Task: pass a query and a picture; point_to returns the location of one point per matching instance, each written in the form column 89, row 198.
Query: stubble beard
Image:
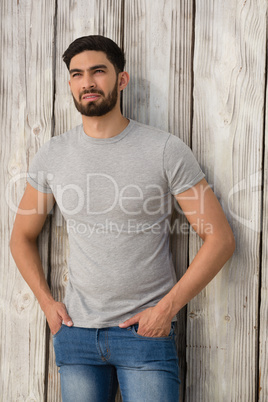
column 101, row 107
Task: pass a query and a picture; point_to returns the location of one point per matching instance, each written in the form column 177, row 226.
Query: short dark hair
column 98, row 43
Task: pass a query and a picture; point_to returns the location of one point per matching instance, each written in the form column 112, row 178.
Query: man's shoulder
column 149, row 132
column 59, row 144
column 66, row 138
column 69, row 135
column 159, row 137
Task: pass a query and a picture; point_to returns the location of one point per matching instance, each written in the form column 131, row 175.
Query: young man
column 115, row 181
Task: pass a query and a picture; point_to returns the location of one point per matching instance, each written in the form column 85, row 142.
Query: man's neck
column 106, row 126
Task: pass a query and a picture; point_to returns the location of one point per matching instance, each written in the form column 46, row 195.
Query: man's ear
column 123, row 80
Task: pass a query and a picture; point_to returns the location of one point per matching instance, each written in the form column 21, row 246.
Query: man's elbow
column 224, row 243
column 13, row 243
column 17, row 240
column 229, row 243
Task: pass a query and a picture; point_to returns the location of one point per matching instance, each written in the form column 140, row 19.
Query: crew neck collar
column 102, row 141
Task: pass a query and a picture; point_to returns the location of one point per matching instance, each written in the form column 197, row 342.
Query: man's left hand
column 151, row 323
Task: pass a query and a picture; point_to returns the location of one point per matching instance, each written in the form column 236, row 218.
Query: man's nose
column 88, row 81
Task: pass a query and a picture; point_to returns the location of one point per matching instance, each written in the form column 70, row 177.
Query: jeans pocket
column 135, row 327
column 57, row 333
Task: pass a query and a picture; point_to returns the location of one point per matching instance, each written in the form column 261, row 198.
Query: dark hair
column 99, row 43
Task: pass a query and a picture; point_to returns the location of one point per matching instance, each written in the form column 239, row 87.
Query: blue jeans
column 93, row 361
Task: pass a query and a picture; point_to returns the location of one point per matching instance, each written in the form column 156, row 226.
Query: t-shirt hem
column 187, row 186
column 37, row 186
column 82, row 324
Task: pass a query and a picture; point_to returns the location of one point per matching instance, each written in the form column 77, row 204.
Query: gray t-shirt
column 116, row 197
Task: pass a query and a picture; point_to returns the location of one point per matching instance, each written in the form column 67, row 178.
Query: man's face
column 93, row 83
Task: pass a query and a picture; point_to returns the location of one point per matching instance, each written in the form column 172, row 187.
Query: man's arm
column 206, row 216
column 30, row 218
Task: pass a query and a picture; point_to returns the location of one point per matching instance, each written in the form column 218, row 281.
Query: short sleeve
column 181, row 168
column 37, row 174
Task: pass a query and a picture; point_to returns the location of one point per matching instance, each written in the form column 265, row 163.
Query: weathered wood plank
column 263, row 330
column 229, row 66
column 180, row 123
column 26, row 110
column 74, row 19
column 147, row 44
column 158, row 42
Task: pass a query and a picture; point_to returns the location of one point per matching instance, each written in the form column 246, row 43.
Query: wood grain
column 180, row 124
column 26, row 111
column 229, row 71
column 263, row 330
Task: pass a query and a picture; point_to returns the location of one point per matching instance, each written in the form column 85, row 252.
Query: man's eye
column 76, row 74
column 99, row 71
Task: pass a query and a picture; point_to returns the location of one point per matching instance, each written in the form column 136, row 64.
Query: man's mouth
column 91, row 97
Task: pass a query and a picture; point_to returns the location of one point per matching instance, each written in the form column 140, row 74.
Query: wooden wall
column 198, row 69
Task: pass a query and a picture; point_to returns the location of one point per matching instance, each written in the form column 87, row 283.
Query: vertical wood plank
column 158, row 45
column 26, row 87
column 263, row 330
column 147, row 45
column 229, row 66
column 180, row 121
column 74, row 19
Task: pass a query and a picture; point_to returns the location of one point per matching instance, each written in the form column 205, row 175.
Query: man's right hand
column 56, row 313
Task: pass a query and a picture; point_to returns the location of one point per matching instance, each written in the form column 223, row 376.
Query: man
column 115, row 181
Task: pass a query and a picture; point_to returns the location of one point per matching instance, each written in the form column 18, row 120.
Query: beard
column 99, row 107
